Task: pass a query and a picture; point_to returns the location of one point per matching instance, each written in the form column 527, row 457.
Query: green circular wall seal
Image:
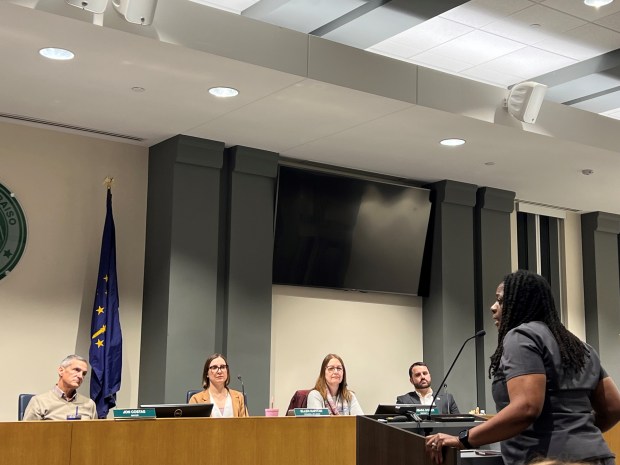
column 12, row 231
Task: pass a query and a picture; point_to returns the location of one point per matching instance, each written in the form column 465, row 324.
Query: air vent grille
column 30, row 119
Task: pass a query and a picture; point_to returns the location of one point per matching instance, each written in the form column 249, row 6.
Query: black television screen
column 349, row 233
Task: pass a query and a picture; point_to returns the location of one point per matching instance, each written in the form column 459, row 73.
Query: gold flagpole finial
column 108, row 181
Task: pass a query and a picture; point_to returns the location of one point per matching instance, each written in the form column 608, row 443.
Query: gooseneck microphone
column 245, row 399
column 480, row 333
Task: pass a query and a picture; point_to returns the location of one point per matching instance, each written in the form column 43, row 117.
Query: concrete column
column 181, row 267
column 250, row 256
column 601, row 281
column 492, row 263
column 449, row 316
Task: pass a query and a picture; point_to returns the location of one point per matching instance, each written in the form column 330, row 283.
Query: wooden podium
column 381, row 443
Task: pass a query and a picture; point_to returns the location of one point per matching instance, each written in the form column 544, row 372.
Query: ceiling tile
column 234, row 6
column 426, row 35
column 478, row 13
column 529, row 61
column 482, row 73
column 583, row 42
column 346, row 108
column 581, row 10
column 440, row 62
column 394, row 49
column 611, row 21
column 308, row 15
column 477, row 47
column 612, row 113
column 519, row 25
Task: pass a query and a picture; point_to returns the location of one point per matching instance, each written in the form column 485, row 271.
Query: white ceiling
column 312, row 99
column 499, row 42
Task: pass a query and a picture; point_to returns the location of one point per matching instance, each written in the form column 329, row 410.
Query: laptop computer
column 180, row 410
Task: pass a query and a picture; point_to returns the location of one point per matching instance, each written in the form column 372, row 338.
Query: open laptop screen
column 180, row 410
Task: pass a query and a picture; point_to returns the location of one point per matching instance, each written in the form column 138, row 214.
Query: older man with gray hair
column 63, row 402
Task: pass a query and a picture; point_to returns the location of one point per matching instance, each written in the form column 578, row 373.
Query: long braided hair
column 528, row 297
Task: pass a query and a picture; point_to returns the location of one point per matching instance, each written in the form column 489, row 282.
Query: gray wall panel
column 601, row 290
column 180, row 267
column 449, row 316
column 252, row 192
column 493, row 262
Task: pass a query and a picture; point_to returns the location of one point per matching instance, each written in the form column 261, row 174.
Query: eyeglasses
column 216, row 368
column 332, row 369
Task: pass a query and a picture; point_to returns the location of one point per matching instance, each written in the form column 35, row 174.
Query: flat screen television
column 343, row 232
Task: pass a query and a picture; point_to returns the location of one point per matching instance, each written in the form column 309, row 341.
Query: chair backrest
column 22, row 403
column 299, row 399
column 191, row 392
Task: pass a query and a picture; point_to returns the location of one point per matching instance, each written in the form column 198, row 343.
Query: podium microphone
column 480, row 333
column 245, row 399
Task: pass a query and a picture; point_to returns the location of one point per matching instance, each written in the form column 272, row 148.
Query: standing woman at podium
column 215, row 378
column 330, row 390
column 552, row 395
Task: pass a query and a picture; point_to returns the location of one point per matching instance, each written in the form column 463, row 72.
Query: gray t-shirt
column 565, row 428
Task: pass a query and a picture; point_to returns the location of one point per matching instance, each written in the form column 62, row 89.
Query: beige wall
column 377, row 335
column 46, row 302
column 574, row 276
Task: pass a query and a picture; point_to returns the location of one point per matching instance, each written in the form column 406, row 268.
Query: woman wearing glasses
column 330, row 390
column 215, row 378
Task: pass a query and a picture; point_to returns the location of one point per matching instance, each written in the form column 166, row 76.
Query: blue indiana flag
column 106, row 344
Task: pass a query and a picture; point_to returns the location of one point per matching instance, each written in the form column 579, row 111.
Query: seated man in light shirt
column 420, row 377
column 63, row 402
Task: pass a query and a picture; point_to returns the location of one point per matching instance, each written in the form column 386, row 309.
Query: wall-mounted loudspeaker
column 524, row 101
column 136, row 11
column 94, row 6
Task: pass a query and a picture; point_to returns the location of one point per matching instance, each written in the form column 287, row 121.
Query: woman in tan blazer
column 215, row 378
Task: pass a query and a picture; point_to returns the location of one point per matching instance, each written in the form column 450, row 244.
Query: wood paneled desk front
column 235, row 441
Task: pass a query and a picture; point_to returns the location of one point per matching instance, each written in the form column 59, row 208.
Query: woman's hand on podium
column 436, row 442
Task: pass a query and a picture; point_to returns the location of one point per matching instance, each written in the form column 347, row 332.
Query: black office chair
column 22, row 403
column 191, row 392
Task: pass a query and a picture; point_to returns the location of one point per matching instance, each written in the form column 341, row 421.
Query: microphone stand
column 245, row 399
column 478, row 334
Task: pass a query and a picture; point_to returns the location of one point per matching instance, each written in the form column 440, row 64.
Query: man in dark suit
column 420, row 377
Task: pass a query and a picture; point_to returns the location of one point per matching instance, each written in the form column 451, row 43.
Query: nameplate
column 311, row 412
column 133, row 413
column 425, row 411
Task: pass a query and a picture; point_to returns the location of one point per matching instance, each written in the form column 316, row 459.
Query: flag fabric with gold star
column 106, row 341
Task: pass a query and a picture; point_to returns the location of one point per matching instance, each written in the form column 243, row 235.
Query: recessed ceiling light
column 452, row 142
column 138, row 89
column 597, row 3
column 587, row 172
column 223, row 92
column 489, row 163
column 57, row 53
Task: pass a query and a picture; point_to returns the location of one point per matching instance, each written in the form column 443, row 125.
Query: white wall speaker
column 136, row 11
column 525, row 99
column 94, row 6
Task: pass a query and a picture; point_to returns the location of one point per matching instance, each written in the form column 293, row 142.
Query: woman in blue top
column 553, row 397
